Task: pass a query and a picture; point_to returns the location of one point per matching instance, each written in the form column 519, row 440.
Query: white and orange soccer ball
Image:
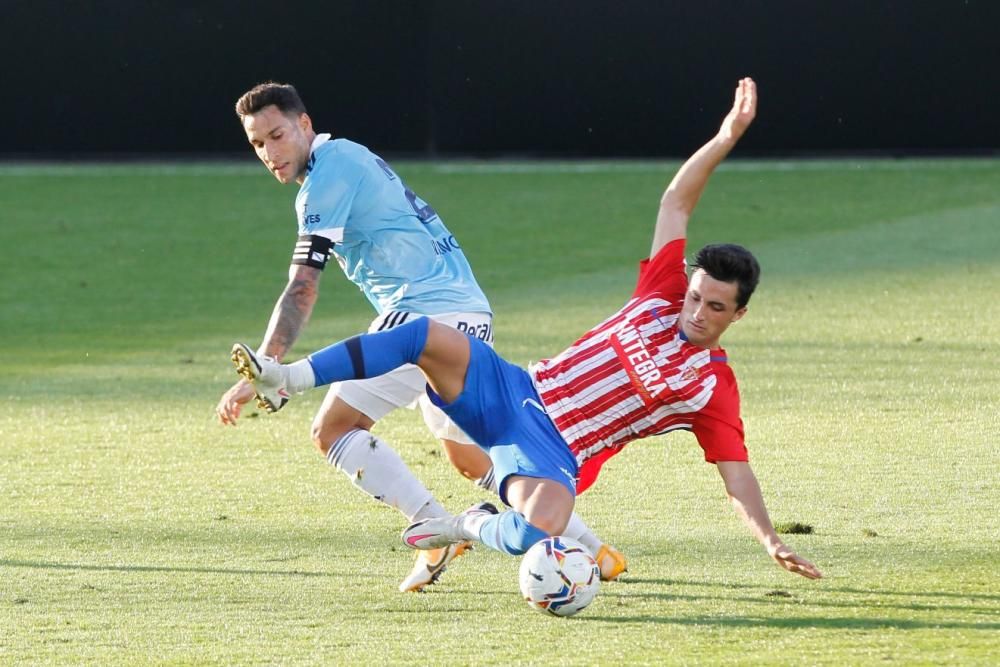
column 559, row 576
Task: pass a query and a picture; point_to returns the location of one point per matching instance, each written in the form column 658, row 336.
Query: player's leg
column 468, row 459
column 534, row 467
column 539, row 507
column 341, row 432
column 444, row 355
column 536, row 479
column 611, row 561
column 473, row 463
column 441, row 352
column 464, row 455
column 545, row 503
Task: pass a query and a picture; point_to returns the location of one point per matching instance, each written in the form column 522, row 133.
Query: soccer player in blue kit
column 353, row 208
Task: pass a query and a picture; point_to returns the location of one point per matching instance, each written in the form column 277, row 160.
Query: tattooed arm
column 290, row 315
column 292, row 311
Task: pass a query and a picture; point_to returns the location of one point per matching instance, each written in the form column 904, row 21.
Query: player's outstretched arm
column 290, row 314
column 744, row 492
column 685, row 189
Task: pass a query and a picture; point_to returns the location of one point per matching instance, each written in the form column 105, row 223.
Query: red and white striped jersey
column 636, row 375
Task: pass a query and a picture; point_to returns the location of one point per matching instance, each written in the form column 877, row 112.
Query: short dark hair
column 282, row 95
column 730, row 263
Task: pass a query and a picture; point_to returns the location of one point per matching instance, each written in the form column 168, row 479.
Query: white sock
column 376, row 469
column 579, row 531
column 300, row 376
column 431, row 510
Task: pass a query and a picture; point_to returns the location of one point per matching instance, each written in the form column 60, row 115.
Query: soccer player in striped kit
column 352, row 207
column 654, row 366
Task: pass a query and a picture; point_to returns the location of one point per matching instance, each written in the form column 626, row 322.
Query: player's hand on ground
column 792, row 562
column 232, row 402
column 743, row 112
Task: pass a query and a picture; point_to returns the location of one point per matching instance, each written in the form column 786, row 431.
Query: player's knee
column 325, row 434
column 472, row 470
column 552, row 524
column 320, row 440
column 550, row 517
column 469, row 460
column 334, row 421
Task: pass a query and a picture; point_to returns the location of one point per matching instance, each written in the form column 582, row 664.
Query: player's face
column 281, row 141
column 709, row 309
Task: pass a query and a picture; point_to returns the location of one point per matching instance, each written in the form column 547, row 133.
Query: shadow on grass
column 792, row 622
column 765, row 619
column 813, row 600
column 155, row 568
column 839, row 589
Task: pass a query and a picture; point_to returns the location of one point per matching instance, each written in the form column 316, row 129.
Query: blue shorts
column 500, row 409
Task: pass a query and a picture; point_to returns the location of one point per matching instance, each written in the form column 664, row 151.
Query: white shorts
column 405, row 386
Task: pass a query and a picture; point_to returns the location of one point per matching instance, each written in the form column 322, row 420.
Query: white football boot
column 441, row 532
column 268, row 377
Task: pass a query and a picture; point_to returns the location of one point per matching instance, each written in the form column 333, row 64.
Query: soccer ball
column 559, row 576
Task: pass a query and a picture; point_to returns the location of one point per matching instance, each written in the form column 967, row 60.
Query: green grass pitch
column 135, row 529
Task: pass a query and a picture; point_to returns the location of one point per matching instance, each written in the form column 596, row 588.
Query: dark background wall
column 583, row 78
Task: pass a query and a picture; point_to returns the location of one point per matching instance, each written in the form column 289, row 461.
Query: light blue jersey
column 389, row 242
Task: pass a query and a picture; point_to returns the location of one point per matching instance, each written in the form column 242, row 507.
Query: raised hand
column 743, row 112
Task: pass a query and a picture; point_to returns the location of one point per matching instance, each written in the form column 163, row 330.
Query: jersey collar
column 718, row 354
column 318, row 141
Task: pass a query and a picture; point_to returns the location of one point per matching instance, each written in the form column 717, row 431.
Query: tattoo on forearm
column 291, row 313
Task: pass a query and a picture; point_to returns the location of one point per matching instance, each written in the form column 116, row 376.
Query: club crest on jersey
column 637, row 362
column 690, row 374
